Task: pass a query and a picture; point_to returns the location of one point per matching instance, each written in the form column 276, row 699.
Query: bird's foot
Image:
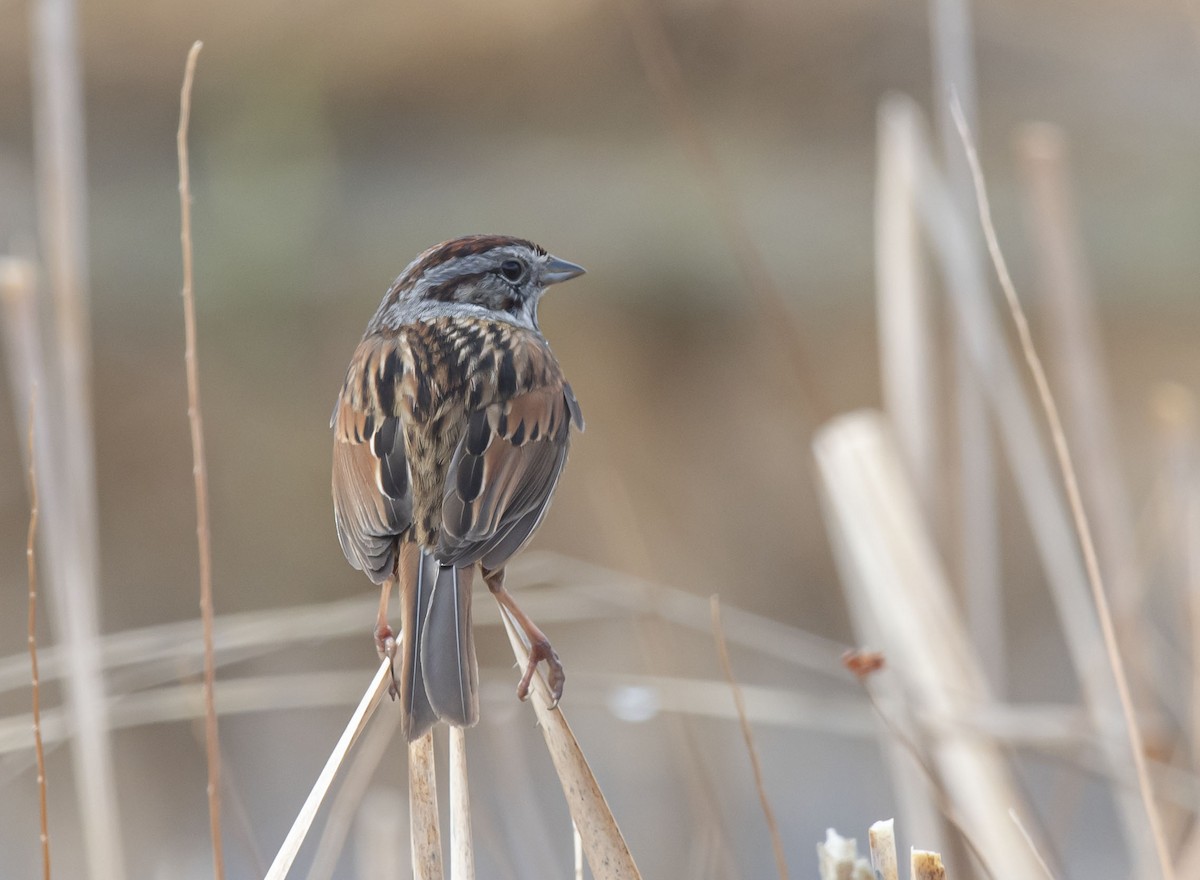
column 555, row 676
column 385, row 645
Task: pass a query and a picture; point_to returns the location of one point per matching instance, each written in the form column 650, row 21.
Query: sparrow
column 450, row 433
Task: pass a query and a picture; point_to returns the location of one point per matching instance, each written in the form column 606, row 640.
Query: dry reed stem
column 665, row 76
column 69, row 504
column 1035, row 480
column 424, row 828
column 581, row 591
column 607, row 854
column 621, row 527
column 350, row 795
column 31, row 560
column 70, row 579
column 904, row 312
column 1069, row 307
column 1059, row 730
column 900, row 599
column 748, row 736
column 979, row 562
column 462, row 850
column 199, row 467
column 577, row 845
column 304, row 819
column 1071, row 483
column 1032, row 846
column 940, row 796
column 838, row 859
column 881, row 837
column 927, row 865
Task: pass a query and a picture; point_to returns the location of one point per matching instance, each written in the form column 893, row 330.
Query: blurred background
column 331, row 144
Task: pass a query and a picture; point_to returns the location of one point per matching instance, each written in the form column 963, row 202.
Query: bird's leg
column 539, row 646
column 385, row 639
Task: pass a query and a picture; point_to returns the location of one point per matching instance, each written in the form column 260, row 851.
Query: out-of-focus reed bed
column 912, row 499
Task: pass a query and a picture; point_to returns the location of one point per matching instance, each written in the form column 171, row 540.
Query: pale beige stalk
column 1071, row 483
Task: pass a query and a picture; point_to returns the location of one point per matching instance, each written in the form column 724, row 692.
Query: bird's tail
column 439, row 678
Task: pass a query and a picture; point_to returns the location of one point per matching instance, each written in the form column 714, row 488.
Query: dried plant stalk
column 892, row 573
column 31, row 561
column 69, row 494
column 299, row 830
column 903, row 310
column 1071, row 483
column 424, row 827
column 1035, row 481
column 882, row 839
column 607, row 854
column 927, row 865
column 838, row 859
column 1032, row 846
column 748, row 736
column 199, row 467
column 1069, row 309
column 462, row 851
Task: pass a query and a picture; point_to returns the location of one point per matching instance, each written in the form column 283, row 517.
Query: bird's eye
column 512, row 269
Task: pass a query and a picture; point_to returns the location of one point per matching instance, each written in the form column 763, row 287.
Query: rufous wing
column 372, row 488
column 503, row 475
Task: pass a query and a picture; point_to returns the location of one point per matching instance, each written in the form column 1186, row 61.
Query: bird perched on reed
column 450, row 433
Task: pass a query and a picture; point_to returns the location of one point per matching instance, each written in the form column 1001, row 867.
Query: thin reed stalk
column 1071, row 484
column 1032, row 846
column 199, row 467
column 68, row 491
column 979, row 562
column 748, row 736
column 31, row 561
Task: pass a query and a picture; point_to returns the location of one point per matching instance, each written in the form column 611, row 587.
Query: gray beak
column 557, row 270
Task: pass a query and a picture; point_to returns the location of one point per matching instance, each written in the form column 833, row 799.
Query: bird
column 451, row 430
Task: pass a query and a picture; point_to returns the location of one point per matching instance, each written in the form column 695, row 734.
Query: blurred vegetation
column 331, row 144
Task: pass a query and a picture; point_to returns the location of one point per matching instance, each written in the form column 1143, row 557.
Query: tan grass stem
column 1071, row 483
column 748, row 736
column 199, row 467
column 31, row 560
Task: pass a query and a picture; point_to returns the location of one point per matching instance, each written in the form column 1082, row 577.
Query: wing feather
column 503, row 475
column 372, row 486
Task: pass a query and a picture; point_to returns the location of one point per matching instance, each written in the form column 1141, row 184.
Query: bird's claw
column 555, row 676
column 385, row 646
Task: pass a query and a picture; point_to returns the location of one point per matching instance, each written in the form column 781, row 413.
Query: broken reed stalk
column 462, row 851
column 31, row 560
column 424, row 827
column 304, row 819
column 1071, row 483
column 838, row 859
column 927, row 865
column 1032, row 846
column 607, row 854
column 199, row 466
column 881, row 838
column 748, row 736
